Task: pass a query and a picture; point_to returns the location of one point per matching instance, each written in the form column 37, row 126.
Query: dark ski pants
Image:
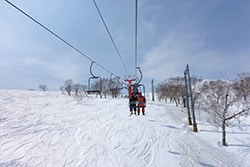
column 133, row 108
column 143, row 110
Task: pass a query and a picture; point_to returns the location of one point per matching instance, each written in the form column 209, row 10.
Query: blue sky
column 212, row 36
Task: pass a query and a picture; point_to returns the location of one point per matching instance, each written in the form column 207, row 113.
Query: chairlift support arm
column 139, row 80
column 90, row 70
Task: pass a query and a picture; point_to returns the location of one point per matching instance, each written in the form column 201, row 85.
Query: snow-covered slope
column 53, row 130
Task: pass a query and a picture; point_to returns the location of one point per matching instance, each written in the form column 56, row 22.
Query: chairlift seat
column 93, row 91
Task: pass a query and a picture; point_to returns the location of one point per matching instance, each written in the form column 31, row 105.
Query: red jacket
column 141, row 101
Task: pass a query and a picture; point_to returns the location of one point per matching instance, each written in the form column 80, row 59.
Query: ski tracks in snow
column 53, row 130
column 106, row 136
column 31, row 135
column 179, row 146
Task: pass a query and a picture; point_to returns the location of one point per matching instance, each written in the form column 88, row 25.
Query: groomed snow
column 49, row 129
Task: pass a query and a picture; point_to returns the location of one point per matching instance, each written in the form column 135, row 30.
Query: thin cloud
column 210, row 36
column 171, row 55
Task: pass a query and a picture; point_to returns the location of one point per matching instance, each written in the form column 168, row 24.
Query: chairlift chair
column 94, row 79
column 138, row 88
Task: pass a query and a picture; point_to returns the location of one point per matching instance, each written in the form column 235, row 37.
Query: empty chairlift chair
column 94, row 83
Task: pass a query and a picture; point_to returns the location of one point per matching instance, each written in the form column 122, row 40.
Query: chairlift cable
column 136, row 14
column 57, row 36
column 110, row 36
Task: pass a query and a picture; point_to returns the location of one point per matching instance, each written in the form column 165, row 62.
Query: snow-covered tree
column 225, row 102
column 115, row 85
column 173, row 88
column 68, row 86
column 43, row 87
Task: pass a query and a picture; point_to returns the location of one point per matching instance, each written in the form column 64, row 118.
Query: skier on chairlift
column 132, row 104
column 141, row 103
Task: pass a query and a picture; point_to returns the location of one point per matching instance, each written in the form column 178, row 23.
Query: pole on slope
column 153, row 96
column 195, row 129
column 187, row 98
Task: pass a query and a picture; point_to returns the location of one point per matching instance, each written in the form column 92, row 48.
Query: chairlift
column 130, row 79
column 138, row 87
column 93, row 80
column 115, row 86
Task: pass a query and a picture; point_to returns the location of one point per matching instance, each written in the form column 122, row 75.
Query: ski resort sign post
column 189, row 95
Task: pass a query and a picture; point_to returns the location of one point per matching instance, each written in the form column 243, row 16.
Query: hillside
column 51, row 129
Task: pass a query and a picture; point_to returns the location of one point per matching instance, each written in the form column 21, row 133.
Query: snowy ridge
column 51, row 129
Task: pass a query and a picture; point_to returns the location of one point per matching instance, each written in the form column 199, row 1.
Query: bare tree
column 108, row 86
column 77, row 88
column 115, row 85
column 105, row 86
column 242, row 85
column 160, row 90
column 43, row 87
column 195, row 81
column 225, row 101
column 80, row 92
column 68, row 86
column 173, row 88
column 61, row 88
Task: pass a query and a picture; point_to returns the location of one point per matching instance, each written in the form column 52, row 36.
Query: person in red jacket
column 141, row 103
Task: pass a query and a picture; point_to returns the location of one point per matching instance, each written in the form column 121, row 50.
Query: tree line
column 223, row 100
column 173, row 89
column 108, row 86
